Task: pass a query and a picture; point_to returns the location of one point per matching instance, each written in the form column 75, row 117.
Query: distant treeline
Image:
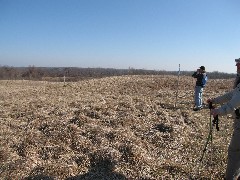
column 76, row 74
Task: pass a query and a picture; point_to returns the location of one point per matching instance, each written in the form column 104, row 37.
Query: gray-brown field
column 111, row 128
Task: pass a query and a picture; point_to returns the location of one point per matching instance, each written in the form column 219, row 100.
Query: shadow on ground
column 100, row 169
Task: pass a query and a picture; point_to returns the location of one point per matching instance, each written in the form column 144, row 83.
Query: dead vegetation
column 111, row 128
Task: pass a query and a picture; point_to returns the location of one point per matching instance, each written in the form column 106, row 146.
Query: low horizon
column 111, row 68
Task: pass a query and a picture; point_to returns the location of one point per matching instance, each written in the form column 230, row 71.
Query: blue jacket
column 200, row 79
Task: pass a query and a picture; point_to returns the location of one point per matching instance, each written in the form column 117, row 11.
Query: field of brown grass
column 111, row 128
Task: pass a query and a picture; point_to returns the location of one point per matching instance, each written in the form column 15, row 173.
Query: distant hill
column 77, row 73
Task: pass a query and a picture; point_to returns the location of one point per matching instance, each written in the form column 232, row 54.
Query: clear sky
column 145, row 34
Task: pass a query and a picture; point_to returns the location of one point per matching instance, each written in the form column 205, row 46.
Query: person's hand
column 209, row 101
column 214, row 112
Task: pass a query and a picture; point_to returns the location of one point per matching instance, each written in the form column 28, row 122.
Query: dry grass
column 111, row 128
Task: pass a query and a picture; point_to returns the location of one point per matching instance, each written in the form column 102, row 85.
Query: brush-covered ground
column 122, row 127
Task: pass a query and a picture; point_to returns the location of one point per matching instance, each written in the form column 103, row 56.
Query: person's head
column 238, row 64
column 202, row 69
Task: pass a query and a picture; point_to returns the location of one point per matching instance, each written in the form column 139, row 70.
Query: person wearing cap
column 201, row 77
column 230, row 104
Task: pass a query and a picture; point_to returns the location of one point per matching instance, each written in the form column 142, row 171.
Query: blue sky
column 145, row 34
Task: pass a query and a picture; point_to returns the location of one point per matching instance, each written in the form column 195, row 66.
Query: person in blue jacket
column 201, row 81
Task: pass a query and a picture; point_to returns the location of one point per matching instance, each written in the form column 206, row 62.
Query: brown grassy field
column 111, row 128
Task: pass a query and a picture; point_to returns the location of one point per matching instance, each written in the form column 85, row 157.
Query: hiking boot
column 197, row 108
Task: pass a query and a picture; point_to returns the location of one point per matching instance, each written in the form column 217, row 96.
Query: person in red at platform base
column 230, row 104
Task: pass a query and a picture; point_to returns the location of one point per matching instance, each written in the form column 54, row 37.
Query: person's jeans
column 198, row 96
